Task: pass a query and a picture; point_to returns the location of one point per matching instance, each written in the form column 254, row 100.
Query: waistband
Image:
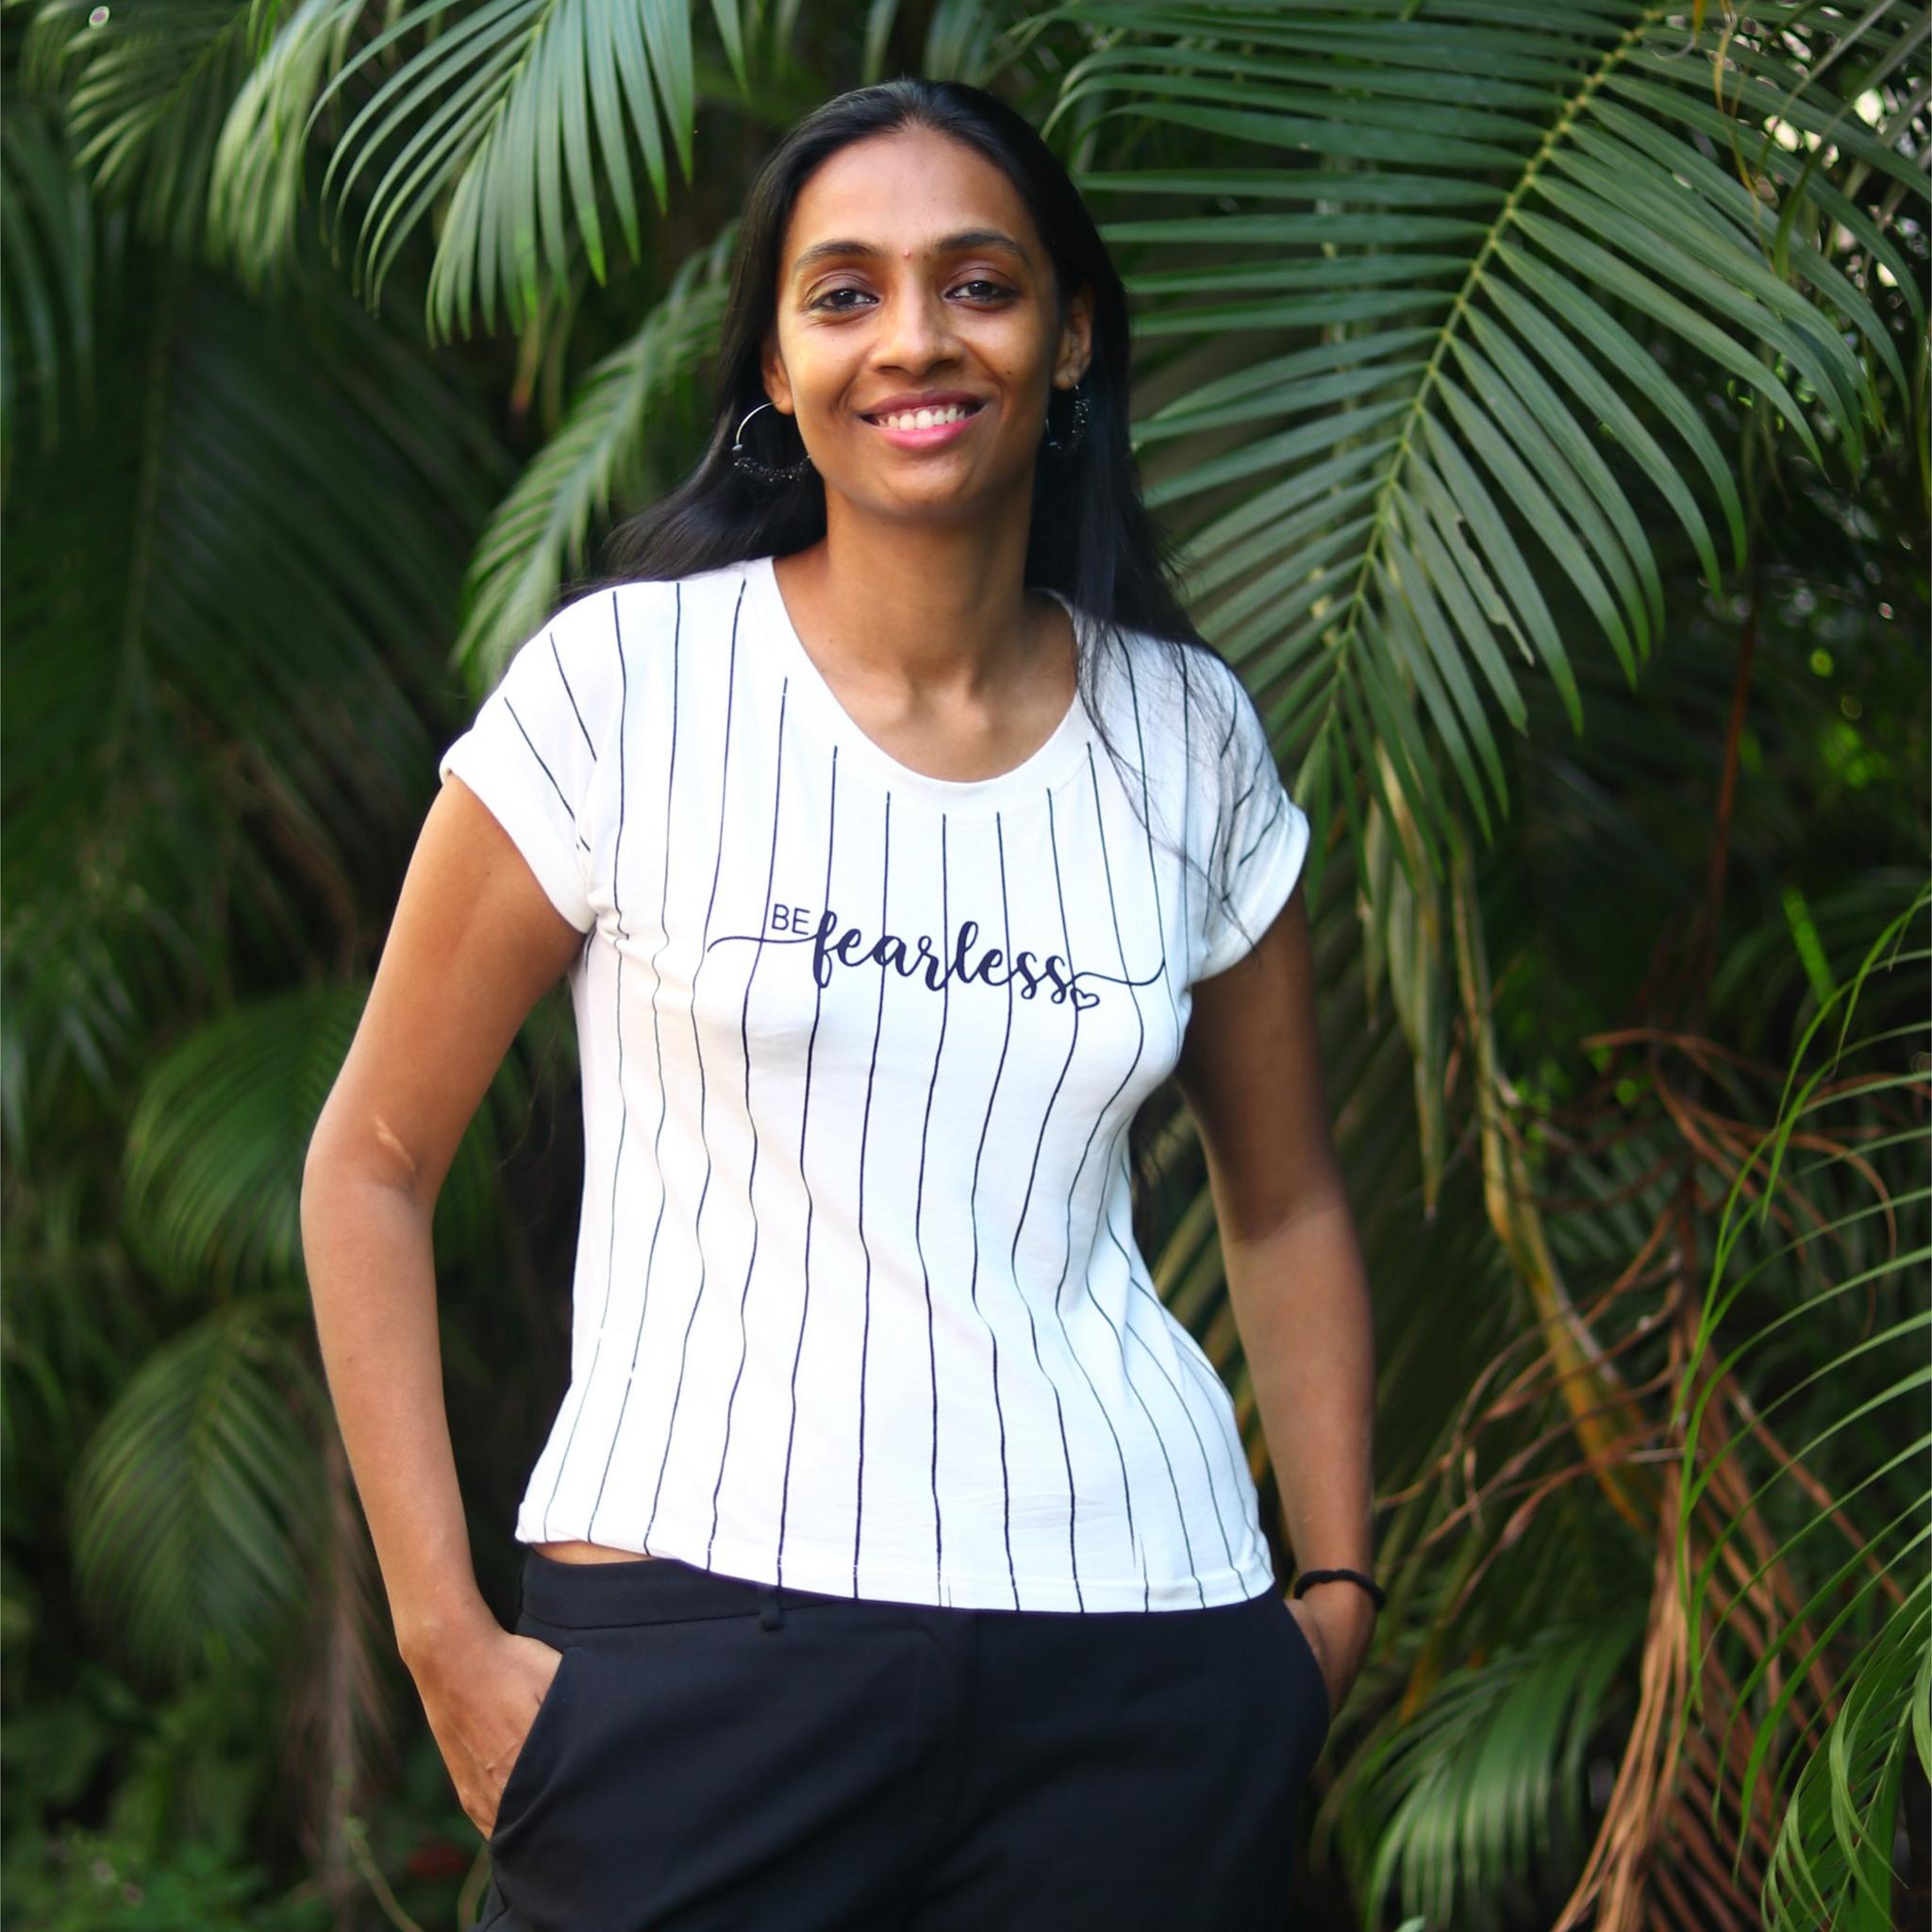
column 654, row 1589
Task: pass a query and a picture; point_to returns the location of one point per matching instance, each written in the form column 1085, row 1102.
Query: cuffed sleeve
column 531, row 750
column 1260, row 840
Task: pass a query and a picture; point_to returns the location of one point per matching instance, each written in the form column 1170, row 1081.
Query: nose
column 916, row 329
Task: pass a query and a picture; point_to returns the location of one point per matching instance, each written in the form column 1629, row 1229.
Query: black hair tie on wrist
column 1368, row 1583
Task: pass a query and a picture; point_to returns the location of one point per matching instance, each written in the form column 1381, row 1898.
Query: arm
column 474, row 944
column 1250, row 1071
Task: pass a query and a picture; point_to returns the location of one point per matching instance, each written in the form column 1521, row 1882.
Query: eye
column 988, row 292
column 826, row 301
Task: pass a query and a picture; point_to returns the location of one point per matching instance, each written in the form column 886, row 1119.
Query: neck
column 936, row 609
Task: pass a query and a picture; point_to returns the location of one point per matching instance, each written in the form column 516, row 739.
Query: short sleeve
column 531, row 751
column 1260, row 840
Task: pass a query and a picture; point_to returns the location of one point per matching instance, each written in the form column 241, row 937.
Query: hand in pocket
column 481, row 1703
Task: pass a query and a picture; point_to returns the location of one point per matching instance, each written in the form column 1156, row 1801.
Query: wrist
column 1308, row 1575
column 1343, row 1599
column 434, row 1637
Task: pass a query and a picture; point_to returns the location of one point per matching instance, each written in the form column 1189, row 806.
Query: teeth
column 924, row 419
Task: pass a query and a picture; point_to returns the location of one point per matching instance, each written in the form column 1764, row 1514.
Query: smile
column 921, row 429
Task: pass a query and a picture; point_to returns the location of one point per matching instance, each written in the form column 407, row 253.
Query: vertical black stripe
column 973, row 1222
column 1172, row 1482
column 878, row 1021
column 1208, row 1379
column 1066, row 1261
column 570, row 811
column 557, row 659
column 1145, row 1288
column 1133, row 990
column 1153, row 866
column 1129, row 1255
column 1187, row 819
column 704, row 953
column 623, row 1108
column 917, row 1211
column 1222, row 833
column 818, row 1000
column 658, row 1045
column 1013, row 1258
column 751, row 1178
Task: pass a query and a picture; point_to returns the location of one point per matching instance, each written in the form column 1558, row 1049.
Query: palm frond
column 197, row 1503
column 211, row 723
column 618, row 439
column 488, row 122
column 1476, row 1787
column 1490, row 192
column 259, row 170
column 145, row 90
column 1853, row 1138
column 47, row 233
column 214, row 1151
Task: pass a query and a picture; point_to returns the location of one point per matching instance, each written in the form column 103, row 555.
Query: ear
column 1076, row 339
column 772, row 370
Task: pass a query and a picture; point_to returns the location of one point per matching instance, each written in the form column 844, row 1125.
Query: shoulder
column 599, row 636
column 1185, row 701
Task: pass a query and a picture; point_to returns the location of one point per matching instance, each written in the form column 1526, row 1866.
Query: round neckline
column 1052, row 759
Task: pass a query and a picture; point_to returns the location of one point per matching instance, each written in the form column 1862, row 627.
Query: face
column 911, row 273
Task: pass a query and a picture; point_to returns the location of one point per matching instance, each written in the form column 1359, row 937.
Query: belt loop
column 772, row 1607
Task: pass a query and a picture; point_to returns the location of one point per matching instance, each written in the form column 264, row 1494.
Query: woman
column 893, row 1561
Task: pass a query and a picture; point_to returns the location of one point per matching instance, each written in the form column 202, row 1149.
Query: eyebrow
column 947, row 245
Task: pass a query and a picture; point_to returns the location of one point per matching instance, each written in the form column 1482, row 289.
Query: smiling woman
column 900, row 1542
column 981, row 286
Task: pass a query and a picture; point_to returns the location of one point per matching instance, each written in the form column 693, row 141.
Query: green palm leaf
column 1853, row 1137
column 145, row 90
column 198, row 1506
column 612, row 444
column 259, row 170
column 214, row 1151
column 47, row 244
column 211, row 720
column 490, row 122
column 1474, row 1788
column 1485, row 200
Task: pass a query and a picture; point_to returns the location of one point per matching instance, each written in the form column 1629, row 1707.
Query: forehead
column 904, row 189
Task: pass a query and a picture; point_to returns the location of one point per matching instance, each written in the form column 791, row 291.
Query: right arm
column 475, row 942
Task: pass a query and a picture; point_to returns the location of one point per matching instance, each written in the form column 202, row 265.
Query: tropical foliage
column 1542, row 396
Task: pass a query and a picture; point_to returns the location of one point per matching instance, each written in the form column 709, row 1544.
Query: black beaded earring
column 1062, row 444
column 763, row 472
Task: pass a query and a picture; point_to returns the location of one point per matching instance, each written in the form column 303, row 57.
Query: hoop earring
column 1063, row 445
column 764, row 473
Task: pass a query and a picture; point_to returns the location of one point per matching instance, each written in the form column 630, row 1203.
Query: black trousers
column 720, row 1753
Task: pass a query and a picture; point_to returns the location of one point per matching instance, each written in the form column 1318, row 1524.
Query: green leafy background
column 1540, row 394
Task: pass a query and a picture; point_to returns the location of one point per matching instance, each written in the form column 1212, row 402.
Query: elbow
column 344, row 1157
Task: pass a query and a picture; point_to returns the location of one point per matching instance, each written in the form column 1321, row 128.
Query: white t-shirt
column 856, row 1303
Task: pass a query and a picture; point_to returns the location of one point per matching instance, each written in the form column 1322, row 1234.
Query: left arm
column 1249, row 1072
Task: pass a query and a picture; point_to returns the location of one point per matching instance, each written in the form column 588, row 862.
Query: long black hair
column 1092, row 537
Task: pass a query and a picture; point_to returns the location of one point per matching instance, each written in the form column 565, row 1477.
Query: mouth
column 924, row 428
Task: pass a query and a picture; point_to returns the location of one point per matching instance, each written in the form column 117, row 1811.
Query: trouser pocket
column 535, row 1760
column 701, row 1761
column 1311, row 1717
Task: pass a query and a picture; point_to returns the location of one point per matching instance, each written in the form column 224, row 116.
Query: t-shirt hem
column 832, row 1576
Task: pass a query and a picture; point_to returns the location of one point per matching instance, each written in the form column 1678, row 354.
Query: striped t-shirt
column 856, row 1303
